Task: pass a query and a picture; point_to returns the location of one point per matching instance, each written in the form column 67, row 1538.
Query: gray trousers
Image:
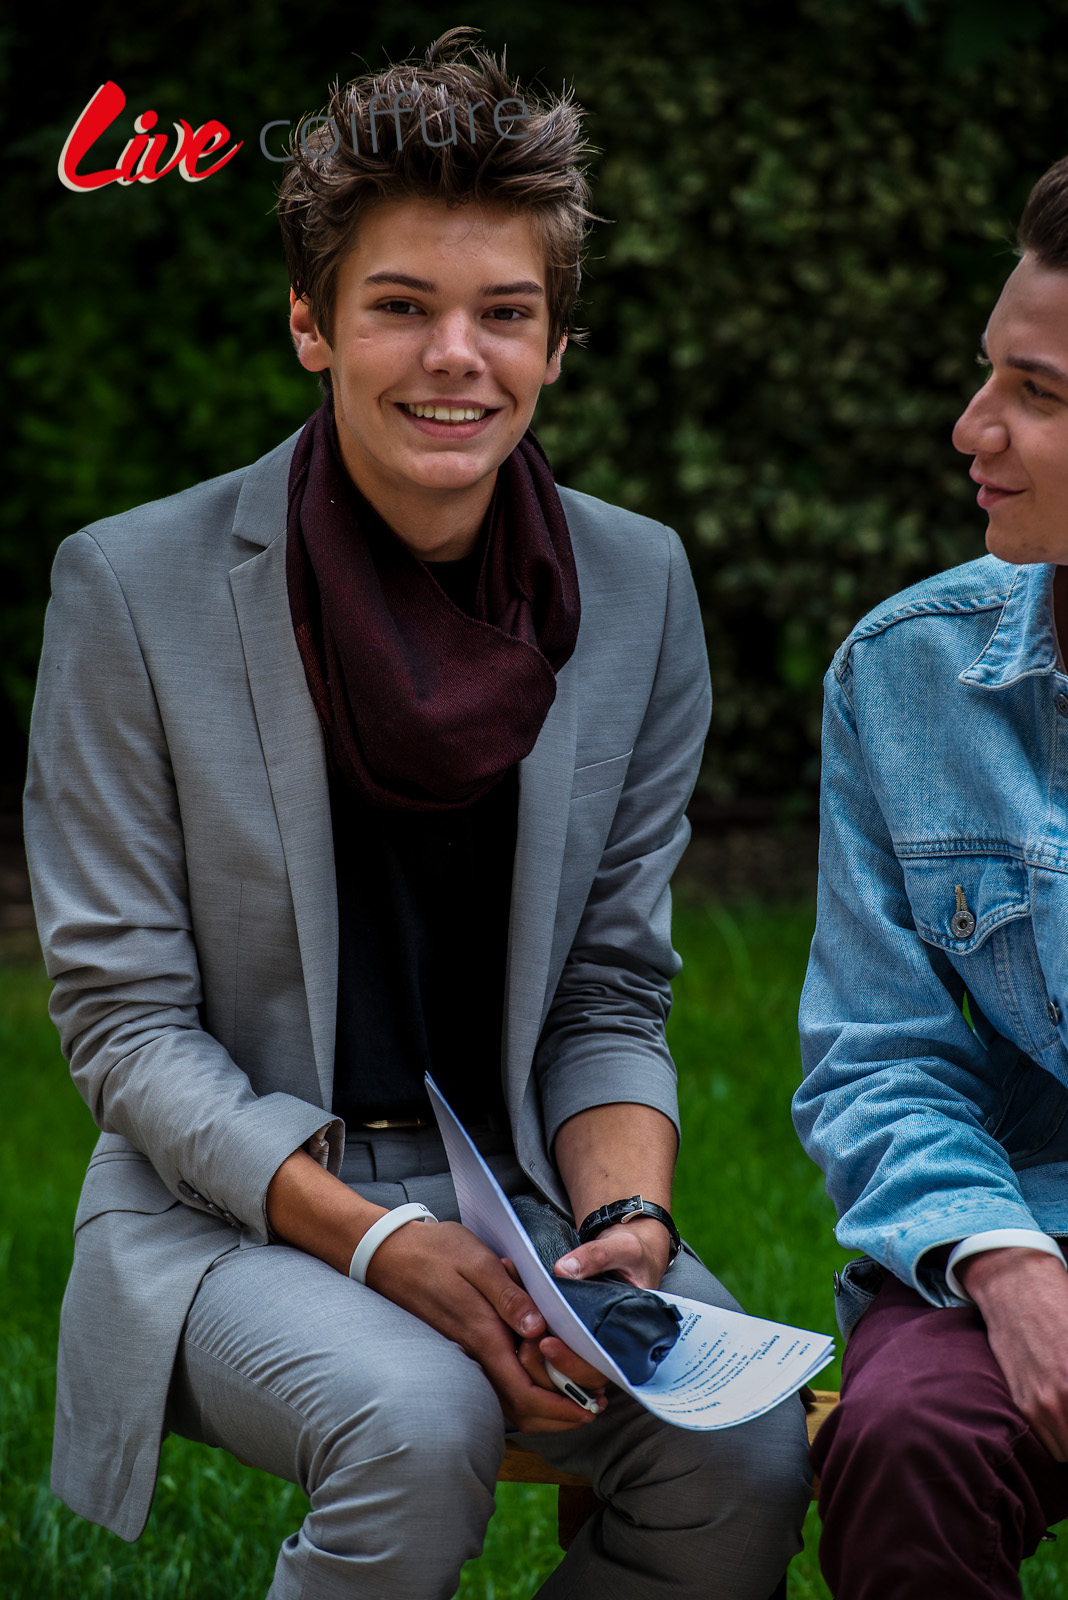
column 396, row 1436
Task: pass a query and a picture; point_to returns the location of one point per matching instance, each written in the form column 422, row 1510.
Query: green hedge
column 813, row 211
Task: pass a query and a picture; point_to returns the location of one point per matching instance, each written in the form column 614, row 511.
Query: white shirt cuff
column 996, row 1239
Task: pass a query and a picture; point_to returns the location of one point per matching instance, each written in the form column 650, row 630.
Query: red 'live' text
column 144, row 158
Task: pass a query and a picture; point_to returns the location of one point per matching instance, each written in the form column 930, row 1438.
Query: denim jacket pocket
column 976, row 908
column 959, row 900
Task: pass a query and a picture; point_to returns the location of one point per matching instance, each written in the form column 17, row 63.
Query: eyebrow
column 1044, row 369
column 488, row 291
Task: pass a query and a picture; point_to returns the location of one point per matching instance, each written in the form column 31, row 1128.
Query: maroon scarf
column 423, row 707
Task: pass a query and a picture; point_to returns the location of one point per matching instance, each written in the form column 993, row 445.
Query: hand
column 1022, row 1296
column 448, row 1278
column 440, row 1273
column 637, row 1252
column 533, row 1354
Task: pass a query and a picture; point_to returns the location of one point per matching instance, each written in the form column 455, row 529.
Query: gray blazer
column 179, row 840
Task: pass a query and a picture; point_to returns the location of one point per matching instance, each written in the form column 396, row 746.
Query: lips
column 992, row 494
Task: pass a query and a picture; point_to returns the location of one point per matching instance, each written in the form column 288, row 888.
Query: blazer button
column 1053, row 1011
column 1061, row 703
column 187, row 1190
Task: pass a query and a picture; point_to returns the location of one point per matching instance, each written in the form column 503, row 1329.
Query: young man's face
column 437, row 359
column 1017, row 425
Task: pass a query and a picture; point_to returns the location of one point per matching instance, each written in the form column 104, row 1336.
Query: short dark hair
column 1043, row 230
column 433, row 130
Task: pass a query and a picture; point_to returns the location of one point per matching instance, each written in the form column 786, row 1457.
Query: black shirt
column 423, row 905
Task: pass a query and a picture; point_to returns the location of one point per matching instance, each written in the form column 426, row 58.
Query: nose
column 979, row 430
column 452, row 345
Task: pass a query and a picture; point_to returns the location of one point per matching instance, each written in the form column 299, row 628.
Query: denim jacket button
column 837, row 1284
column 1061, row 703
column 1053, row 1011
column 962, row 924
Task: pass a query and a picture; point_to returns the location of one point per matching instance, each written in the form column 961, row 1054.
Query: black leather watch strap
column 628, row 1211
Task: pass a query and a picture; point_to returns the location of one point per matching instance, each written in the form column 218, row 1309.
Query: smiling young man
column 437, row 367
column 935, row 1013
column 367, row 760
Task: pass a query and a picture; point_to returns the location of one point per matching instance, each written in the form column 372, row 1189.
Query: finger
column 571, row 1365
column 528, row 1396
column 533, row 1363
column 533, row 1358
column 508, row 1297
column 635, row 1252
column 615, row 1250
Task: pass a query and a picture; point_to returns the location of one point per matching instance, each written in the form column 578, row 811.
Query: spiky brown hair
column 452, row 127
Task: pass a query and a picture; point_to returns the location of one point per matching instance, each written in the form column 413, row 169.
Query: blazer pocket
column 600, row 775
column 121, row 1181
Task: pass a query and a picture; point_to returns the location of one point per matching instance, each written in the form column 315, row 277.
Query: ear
column 552, row 371
column 313, row 351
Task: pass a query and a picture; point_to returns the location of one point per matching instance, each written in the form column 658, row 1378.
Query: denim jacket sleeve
column 895, row 1080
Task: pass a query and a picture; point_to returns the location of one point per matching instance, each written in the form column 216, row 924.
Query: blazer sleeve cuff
column 261, row 1137
column 565, row 1093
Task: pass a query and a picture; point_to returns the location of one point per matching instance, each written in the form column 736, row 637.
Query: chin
column 1010, row 544
column 447, row 477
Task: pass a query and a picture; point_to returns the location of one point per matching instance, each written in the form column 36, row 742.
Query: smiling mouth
column 992, row 494
column 433, row 413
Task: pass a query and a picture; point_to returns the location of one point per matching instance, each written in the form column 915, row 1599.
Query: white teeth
column 446, row 413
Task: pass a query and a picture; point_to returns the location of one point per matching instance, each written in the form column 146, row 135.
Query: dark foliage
column 814, row 206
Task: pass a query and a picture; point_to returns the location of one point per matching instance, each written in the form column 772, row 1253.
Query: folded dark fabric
column 636, row 1327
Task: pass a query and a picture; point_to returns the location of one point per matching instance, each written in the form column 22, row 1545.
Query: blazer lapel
column 545, row 780
column 293, row 751
column 292, row 745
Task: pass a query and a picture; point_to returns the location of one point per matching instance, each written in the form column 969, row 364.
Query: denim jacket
column 934, row 1017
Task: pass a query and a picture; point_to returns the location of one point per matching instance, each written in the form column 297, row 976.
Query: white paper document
column 725, row 1367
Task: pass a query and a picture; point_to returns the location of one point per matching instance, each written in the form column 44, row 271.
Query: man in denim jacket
column 935, row 1013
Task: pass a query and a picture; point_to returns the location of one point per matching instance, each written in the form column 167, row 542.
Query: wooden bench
column 576, row 1500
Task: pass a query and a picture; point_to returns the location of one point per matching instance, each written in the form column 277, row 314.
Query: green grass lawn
column 746, row 1198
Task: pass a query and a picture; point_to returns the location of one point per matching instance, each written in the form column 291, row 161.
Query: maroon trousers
column 931, row 1482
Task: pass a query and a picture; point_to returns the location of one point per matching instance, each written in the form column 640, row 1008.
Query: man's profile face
column 1016, row 427
column 437, row 358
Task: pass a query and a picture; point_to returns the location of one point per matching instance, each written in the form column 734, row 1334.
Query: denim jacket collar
column 1024, row 643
